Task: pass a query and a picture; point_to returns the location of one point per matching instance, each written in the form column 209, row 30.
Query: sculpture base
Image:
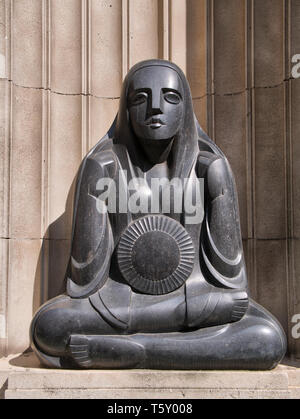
column 27, row 380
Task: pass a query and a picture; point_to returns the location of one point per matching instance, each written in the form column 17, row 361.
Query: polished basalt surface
column 164, row 289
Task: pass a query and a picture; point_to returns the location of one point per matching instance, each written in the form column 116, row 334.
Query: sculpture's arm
column 92, row 241
column 221, row 251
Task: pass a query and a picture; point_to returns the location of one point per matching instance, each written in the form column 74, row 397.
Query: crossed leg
column 70, row 333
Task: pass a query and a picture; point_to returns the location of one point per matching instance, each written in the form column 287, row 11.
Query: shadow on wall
column 50, row 274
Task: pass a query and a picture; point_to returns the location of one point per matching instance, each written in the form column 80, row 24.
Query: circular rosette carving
column 155, row 255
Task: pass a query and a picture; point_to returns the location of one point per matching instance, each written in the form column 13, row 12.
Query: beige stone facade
column 62, row 63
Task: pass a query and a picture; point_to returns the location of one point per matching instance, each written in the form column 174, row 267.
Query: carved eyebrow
column 141, row 89
column 131, row 96
column 149, row 91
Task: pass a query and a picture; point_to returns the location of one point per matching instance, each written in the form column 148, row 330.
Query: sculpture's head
column 155, row 102
column 156, row 113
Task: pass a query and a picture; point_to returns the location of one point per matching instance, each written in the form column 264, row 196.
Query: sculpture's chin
column 155, row 140
column 155, row 132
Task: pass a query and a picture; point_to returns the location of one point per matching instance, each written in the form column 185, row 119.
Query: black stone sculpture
column 159, row 287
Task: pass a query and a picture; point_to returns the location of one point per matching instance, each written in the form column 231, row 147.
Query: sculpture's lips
column 155, row 123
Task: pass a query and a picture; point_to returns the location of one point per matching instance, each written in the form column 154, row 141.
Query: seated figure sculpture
column 156, row 286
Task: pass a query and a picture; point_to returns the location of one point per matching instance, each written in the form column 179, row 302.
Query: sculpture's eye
column 138, row 98
column 172, row 97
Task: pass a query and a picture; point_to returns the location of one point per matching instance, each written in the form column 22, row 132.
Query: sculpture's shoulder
column 102, row 160
column 99, row 163
column 216, row 171
column 211, row 158
column 208, row 162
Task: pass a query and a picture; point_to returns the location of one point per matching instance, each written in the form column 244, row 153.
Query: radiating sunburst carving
column 155, row 254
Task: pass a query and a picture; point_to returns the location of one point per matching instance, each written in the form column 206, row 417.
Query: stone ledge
column 22, row 378
column 142, row 394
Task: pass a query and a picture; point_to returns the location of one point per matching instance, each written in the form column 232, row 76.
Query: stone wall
column 253, row 115
column 61, row 67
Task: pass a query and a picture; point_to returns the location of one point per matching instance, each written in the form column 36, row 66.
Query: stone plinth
column 23, row 378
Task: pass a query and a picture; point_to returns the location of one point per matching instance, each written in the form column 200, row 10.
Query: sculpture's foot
column 239, row 307
column 79, row 350
column 216, row 308
column 106, row 352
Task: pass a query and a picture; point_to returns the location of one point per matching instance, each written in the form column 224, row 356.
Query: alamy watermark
column 296, row 327
column 296, row 67
column 158, row 195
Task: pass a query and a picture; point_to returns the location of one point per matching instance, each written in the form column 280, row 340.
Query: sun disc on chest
column 155, row 254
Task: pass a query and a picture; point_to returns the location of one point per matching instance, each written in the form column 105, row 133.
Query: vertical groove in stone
column 210, row 71
column 288, row 167
column 85, row 89
column 289, row 203
column 46, row 83
column 250, row 115
column 177, row 35
column 164, row 26
column 250, row 149
column 8, row 131
column 3, row 177
column 3, row 75
column 294, row 171
column 197, row 57
column 5, row 116
column 163, row 29
column 125, row 37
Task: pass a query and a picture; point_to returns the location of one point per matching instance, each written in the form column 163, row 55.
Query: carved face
column 155, row 102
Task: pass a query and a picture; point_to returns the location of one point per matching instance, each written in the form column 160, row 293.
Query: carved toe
column 79, row 350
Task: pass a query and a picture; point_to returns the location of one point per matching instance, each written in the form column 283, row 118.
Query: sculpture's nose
column 156, row 107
